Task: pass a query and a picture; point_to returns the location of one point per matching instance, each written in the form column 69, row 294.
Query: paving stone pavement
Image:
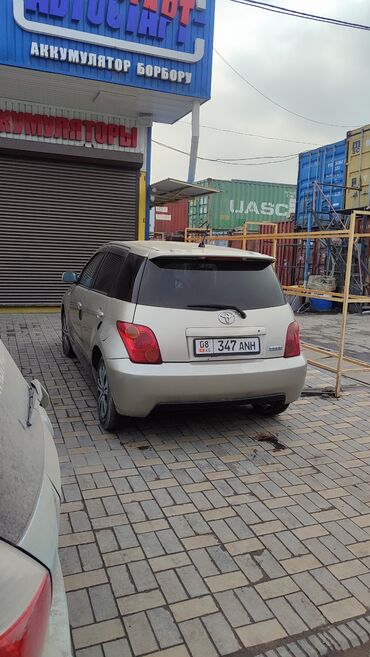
column 323, row 330
column 189, row 535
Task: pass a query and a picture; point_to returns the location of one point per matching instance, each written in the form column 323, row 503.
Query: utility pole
column 195, row 130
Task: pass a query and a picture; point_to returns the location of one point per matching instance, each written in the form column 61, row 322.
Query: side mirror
column 69, row 277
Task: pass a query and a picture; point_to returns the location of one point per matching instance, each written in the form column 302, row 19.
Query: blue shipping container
column 326, row 165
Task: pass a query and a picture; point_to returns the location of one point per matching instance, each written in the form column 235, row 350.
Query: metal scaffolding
column 345, row 298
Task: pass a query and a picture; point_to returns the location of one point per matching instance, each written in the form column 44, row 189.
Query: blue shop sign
column 159, row 45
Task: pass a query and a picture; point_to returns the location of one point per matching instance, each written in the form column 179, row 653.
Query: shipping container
column 172, row 218
column 327, row 167
column 240, row 201
column 358, row 168
column 285, row 250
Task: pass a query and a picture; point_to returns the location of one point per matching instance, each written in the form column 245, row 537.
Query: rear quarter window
column 109, row 272
column 128, row 281
column 183, row 282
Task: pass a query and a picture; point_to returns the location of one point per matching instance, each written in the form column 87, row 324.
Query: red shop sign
column 59, row 127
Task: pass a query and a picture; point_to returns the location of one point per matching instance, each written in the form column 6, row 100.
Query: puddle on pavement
column 278, row 446
column 324, row 393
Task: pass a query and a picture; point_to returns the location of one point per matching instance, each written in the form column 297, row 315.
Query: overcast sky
column 314, row 69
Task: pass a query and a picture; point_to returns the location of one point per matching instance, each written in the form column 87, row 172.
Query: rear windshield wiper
column 205, row 306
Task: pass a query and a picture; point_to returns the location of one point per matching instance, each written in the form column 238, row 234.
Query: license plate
column 226, row 346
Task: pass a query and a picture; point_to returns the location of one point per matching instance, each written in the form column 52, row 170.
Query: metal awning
column 170, row 190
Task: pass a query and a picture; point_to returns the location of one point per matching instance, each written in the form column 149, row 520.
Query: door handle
column 99, row 314
column 79, row 305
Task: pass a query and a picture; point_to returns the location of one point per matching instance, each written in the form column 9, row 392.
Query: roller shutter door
column 53, row 215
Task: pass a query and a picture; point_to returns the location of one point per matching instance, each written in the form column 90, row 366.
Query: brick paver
column 185, row 534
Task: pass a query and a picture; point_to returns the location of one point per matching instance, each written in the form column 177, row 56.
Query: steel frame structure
column 345, row 297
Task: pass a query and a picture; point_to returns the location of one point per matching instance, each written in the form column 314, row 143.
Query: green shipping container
column 240, row 201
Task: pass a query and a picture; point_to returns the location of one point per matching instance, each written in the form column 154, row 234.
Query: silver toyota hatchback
column 166, row 323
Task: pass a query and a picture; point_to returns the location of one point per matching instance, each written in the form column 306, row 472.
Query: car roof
column 155, row 249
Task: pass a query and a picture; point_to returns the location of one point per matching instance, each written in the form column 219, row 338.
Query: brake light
column 25, row 607
column 141, row 344
column 293, row 343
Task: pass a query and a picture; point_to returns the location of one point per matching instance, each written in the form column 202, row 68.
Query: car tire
column 108, row 416
column 269, row 410
column 66, row 343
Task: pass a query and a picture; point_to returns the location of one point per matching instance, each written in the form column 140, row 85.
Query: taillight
column 293, row 343
column 24, row 604
column 141, row 344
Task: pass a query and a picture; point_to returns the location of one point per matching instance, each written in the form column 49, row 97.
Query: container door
column 358, row 169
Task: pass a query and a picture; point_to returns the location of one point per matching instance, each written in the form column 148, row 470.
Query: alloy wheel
column 103, row 391
column 65, row 336
column 66, row 343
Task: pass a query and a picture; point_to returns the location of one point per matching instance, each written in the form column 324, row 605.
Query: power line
column 228, row 159
column 250, row 134
column 246, row 161
column 274, row 102
column 276, row 9
column 258, row 157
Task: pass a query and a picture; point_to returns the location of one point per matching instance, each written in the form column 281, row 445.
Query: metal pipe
column 346, row 294
column 195, row 130
column 148, row 175
column 308, row 243
column 356, row 189
column 320, row 234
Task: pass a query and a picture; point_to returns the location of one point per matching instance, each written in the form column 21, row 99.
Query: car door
column 78, row 300
column 97, row 299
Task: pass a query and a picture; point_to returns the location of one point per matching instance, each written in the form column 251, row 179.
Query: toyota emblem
column 227, row 317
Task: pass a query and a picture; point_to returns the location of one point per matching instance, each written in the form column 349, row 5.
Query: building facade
column 81, row 83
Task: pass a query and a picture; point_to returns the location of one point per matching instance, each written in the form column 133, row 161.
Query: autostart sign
column 163, row 45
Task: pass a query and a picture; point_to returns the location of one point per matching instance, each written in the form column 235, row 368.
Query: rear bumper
column 138, row 389
column 58, row 640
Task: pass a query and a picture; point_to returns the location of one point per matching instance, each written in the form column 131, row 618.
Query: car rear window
column 183, row 282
